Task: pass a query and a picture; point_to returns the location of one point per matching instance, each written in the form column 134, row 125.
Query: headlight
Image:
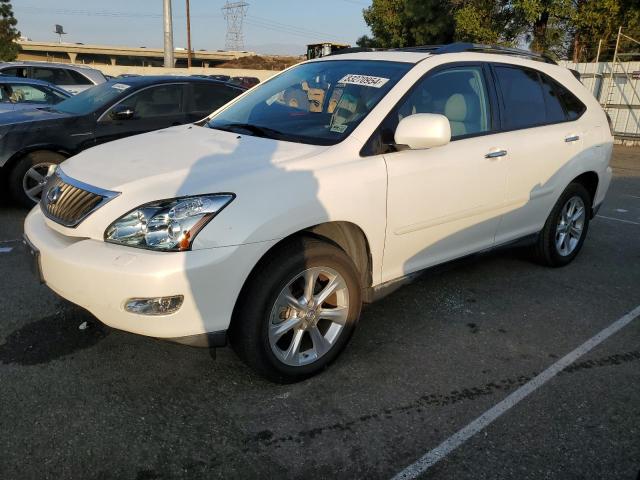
column 167, row 225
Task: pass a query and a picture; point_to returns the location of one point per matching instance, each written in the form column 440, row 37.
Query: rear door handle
column 496, row 154
column 572, row 138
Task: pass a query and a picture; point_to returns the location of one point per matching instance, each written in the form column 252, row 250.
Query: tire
column 265, row 326
column 34, row 163
column 552, row 248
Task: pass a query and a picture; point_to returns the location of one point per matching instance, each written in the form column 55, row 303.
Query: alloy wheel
column 570, row 226
column 308, row 316
column 35, row 179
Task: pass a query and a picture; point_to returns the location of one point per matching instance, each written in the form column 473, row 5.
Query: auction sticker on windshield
column 364, row 80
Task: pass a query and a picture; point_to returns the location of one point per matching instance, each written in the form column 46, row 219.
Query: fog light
column 154, row 306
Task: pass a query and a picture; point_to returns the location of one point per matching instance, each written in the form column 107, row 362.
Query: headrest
column 456, row 108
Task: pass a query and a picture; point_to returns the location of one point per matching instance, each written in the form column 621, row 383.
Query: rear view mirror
column 122, row 112
column 423, row 130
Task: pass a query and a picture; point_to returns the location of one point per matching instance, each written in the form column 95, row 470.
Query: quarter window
column 574, row 107
column 78, row 78
column 524, row 104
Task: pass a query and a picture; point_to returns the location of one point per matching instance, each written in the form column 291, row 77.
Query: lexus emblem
column 53, row 195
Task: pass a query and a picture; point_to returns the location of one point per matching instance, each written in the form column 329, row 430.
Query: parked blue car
column 21, row 93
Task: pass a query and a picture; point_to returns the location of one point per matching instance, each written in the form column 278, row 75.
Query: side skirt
column 373, row 294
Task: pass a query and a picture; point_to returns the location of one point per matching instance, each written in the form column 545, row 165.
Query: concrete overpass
column 112, row 55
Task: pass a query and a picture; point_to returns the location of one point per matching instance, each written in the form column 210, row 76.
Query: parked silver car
column 23, row 93
column 72, row 78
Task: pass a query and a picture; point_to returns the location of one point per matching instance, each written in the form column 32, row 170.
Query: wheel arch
column 589, row 180
column 50, row 148
column 345, row 235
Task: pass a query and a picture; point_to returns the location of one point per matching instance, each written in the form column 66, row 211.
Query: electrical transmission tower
column 234, row 13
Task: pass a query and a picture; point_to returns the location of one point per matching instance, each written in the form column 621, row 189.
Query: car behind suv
column 270, row 223
column 70, row 77
column 31, row 141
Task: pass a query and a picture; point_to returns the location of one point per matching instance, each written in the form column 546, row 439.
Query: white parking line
column 450, row 444
column 619, row 220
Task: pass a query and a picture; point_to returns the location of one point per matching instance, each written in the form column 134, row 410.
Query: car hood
column 183, row 160
column 29, row 115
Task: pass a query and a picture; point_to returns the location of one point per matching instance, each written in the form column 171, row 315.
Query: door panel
column 445, row 202
column 542, row 149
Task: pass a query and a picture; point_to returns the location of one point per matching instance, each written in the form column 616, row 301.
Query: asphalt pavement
column 97, row 403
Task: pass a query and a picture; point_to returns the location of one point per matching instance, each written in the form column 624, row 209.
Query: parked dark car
column 20, row 93
column 33, row 140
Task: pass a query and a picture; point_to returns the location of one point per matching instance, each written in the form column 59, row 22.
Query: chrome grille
column 68, row 201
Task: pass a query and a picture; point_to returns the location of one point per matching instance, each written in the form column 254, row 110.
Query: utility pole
column 188, row 36
column 168, row 35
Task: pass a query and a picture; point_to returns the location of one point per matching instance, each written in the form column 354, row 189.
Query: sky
column 271, row 26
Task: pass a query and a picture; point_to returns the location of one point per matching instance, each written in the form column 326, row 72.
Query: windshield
column 319, row 103
column 93, row 98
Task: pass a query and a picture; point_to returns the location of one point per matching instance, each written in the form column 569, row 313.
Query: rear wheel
column 566, row 228
column 298, row 311
column 27, row 178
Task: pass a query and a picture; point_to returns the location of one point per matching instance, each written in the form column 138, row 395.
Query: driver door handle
column 496, row 154
column 572, row 138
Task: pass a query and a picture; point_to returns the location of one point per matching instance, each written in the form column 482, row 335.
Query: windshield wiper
column 256, row 130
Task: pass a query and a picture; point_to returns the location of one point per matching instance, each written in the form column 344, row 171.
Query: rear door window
column 27, row 93
column 555, row 110
column 208, row 97
column 523, row 101
column 57, row 76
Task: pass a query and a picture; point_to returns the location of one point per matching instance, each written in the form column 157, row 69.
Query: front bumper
column 101, row 277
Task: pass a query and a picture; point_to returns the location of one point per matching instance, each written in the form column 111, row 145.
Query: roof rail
column 477, row 47
column 457, row 47
column 342, row 51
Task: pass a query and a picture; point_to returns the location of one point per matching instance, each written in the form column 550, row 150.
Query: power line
column 234, row 13
column 255, row 21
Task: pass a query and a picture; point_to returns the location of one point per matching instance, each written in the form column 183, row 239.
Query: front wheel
column 28, row 176
column 298, row 310
column 566, row 228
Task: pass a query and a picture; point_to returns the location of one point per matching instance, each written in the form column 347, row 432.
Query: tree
column 406, row 23
column 366, row 41
column 487, row 21
column 8, row 32
column 546, row 22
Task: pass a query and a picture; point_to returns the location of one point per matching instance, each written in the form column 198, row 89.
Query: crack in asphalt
column 267, row 438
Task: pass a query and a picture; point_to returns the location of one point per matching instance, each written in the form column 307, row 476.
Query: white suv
column 270, row 222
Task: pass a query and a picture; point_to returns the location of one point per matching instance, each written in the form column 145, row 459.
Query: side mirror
column 122, row 112
column 423, row 130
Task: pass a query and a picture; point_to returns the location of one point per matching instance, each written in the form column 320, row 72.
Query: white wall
column 115, row 70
